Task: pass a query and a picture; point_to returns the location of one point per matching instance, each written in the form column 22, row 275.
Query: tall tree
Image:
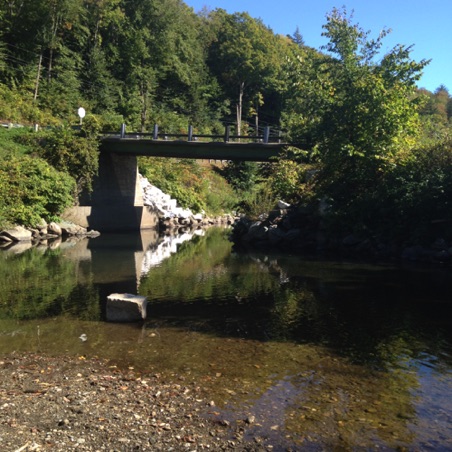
column 179, row 56
column 363, row 108
column 38, row 32
column 360, row 115
column 297, row 38
column 104, row 20
column 244, row 56
column 161, row 60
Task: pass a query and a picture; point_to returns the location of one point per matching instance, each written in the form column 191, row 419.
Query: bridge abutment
column 116, row 202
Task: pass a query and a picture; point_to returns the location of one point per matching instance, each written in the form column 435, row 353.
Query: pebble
column 147, row 417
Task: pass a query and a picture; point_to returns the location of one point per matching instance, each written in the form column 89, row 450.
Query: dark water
column 319, row 355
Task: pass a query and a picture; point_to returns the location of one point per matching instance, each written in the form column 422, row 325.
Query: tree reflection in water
column 320, row 353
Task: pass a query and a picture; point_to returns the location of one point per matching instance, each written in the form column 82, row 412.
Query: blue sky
column 425, row 24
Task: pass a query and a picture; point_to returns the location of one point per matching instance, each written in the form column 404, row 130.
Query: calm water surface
column 323, row 355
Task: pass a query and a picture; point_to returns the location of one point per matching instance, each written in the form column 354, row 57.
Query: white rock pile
column 162, row 202
column 171, row 215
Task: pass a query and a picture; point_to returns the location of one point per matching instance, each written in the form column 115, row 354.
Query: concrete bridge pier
column 116, row 202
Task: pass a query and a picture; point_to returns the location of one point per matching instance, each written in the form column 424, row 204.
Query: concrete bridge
column 116, row 203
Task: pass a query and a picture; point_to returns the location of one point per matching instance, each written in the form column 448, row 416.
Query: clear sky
column 425, row 24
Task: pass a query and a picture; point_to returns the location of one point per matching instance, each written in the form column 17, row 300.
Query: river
column 314, row 354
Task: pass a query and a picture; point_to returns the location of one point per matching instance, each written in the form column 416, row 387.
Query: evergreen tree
column 297, row 38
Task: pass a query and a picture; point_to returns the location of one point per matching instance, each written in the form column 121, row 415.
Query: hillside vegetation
column 370, row 144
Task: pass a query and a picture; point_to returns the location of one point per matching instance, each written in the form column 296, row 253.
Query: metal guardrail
column 265, row 138
column 10, row 125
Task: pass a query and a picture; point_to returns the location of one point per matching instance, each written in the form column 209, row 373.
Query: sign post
column 81, row 113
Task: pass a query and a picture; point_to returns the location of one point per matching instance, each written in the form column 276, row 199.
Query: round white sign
column 81, row 112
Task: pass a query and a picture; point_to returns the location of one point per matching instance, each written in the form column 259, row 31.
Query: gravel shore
column 73, row 403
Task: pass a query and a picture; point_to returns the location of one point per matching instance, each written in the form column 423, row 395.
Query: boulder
column 283, row 205
column 126, row 307
column 257, row 231
column 351, row 240
column 42, row 225
column 71, row 229
column 441, row 256
column 292, row 234
column 92, row 234
column 16, row 234
column 53, row 228
column 35, row 234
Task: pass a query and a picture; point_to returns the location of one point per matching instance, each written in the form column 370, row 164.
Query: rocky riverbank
column 299, row 229
column 44, row 235
column 172, row 220
column 64, row 404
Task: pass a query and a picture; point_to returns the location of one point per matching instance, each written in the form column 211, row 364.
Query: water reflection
column 319, row 355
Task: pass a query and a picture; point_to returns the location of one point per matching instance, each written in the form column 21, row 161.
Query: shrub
column 420, row 192
column 257, row 202
column 32, row 189
column 72, row 152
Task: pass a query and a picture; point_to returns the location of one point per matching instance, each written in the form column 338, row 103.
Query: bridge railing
column 266, row 137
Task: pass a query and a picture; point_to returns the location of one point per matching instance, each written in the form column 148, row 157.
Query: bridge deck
column 257, row 152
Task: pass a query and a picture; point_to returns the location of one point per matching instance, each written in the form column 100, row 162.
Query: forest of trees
column 379, row 146
column 138, row 61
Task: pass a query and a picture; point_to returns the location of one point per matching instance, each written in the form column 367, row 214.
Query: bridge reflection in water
column 133, row 256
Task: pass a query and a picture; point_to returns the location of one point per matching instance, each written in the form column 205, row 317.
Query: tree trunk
column 144, row 107
column 38, row 78
column 257, row 118
column 239, row 108
column 96, row 32
column 49, row 69
column 56, row 21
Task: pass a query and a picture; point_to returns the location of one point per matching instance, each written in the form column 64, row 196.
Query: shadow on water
column 313, row 354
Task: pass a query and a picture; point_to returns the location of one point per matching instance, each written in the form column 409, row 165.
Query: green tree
column 372, row 110
column 35, row 31
column 179, row 58
column 435, row 113
column 358, row 113
column 367, row 109
column 297, row 38
column 437, row 104
column 243, row 176
column 105, row 20
column 244, row 56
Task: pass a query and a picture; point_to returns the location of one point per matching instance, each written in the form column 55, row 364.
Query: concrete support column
column 118, row 181
column 116, row 203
